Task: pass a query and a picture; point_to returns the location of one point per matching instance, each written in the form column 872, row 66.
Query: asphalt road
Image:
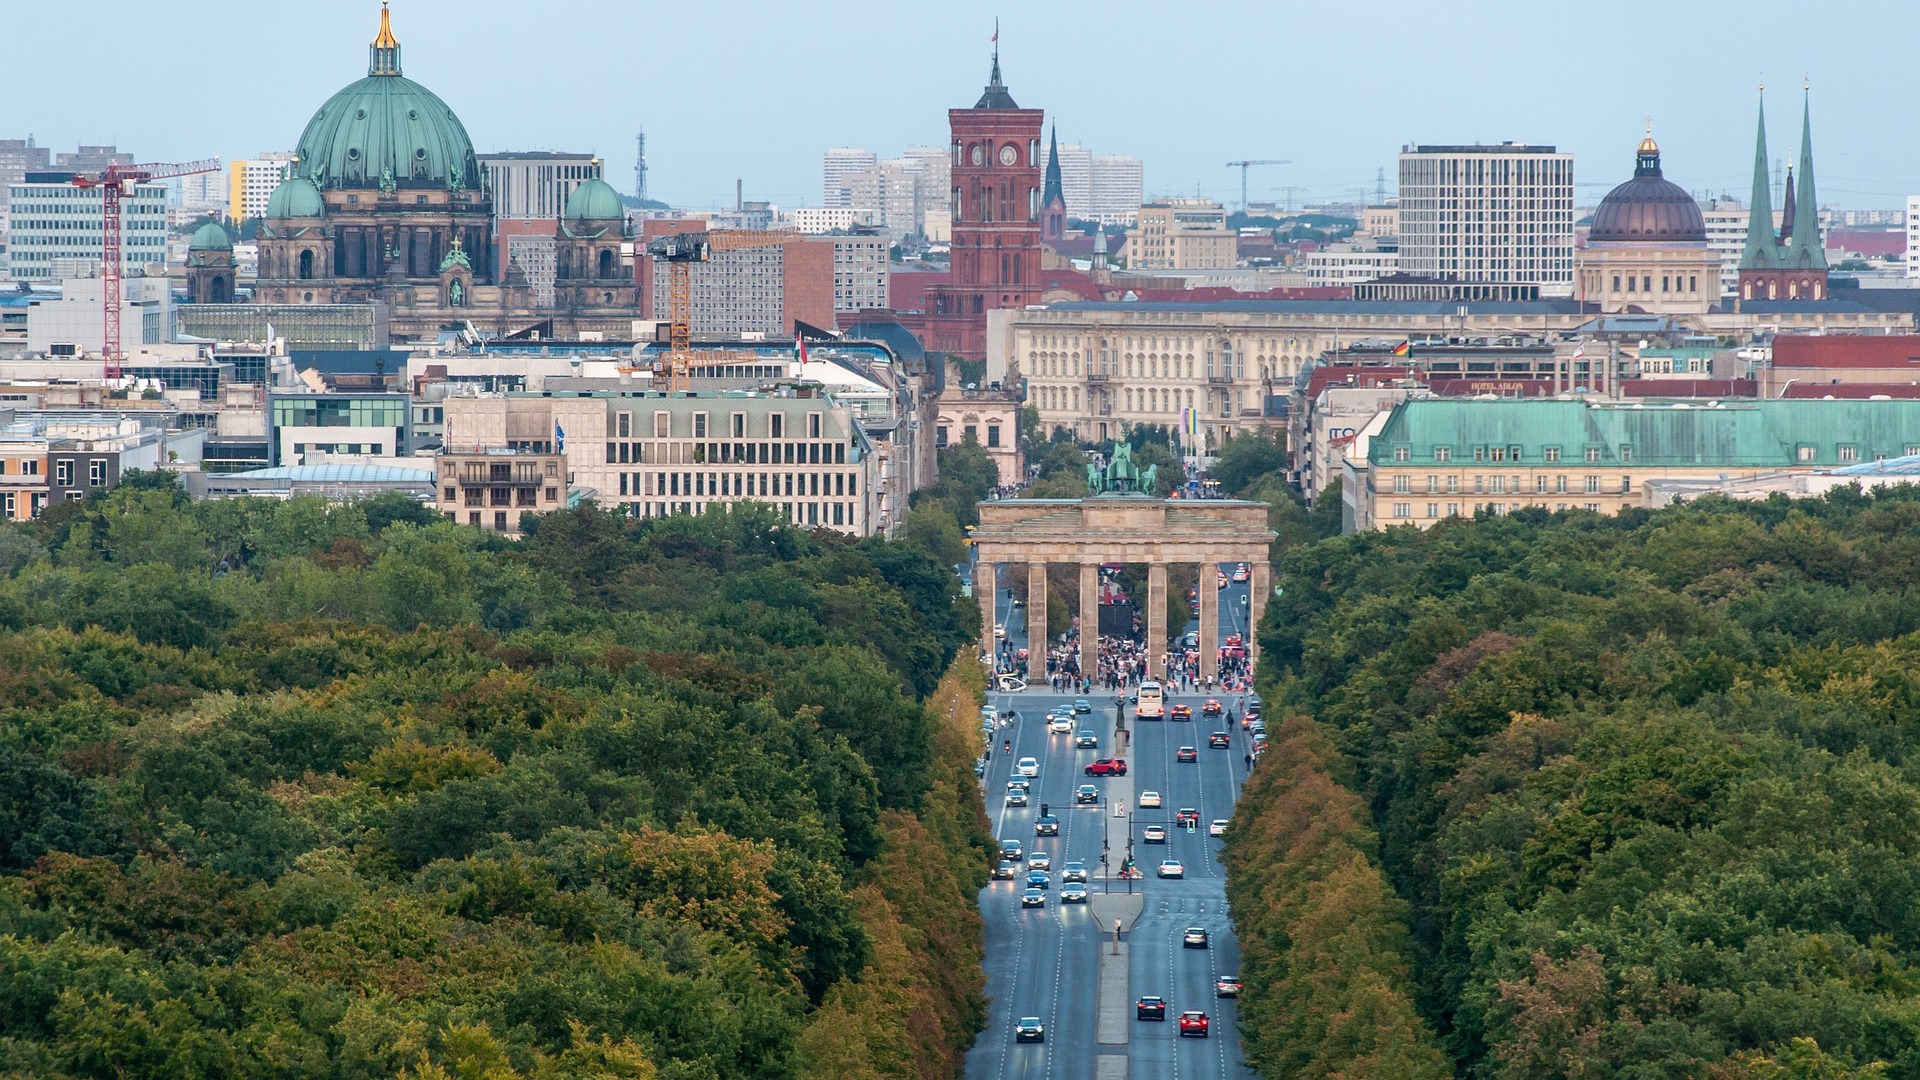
column 1045, row 961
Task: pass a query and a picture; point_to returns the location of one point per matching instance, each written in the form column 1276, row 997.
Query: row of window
column 62, row 470
column 969, row 432
column 1404, row 511
column 1803, row 452
column 501, row 496
column 798, row 513
column 623, row 426
column 738, row 485
column 1500, row 485
column 752, row 453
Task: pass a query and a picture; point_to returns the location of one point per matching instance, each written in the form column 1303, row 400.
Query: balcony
column 1219, row 380
column 1097, row 376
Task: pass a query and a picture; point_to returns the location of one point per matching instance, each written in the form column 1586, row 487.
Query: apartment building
column 251, row 181
column 1182, row 234
column 655, row 455
column 491, row 489
column 860, row 271
column 1488, row 213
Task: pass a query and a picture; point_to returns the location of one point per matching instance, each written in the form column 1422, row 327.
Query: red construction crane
column 120, row 180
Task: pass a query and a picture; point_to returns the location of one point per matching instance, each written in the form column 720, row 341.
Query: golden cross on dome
column 386, row 40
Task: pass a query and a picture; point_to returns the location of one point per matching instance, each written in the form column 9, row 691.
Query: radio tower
column 640, row 165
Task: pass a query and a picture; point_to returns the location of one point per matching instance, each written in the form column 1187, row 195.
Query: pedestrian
column 1248, row 756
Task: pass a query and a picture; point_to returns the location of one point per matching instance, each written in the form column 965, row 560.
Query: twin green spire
column 1796, row 246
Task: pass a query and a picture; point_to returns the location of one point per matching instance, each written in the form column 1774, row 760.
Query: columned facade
column 1119, row 528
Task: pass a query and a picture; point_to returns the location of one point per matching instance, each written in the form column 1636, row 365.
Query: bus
column 1152, row 703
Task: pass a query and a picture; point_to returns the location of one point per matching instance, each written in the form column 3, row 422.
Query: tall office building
column 1499, row 213
column 1182, row 234
column 56, row 228
column 936, row 177
column 840, row 163
column 18, row 157
column 250, row 183
column 1118, row 188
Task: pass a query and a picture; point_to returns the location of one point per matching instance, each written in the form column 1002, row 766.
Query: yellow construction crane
column 680, row 251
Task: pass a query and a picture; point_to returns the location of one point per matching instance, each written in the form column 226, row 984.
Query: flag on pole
column 1580, row 350
column 799, row 347
column 1405, row 348
column 559, row 438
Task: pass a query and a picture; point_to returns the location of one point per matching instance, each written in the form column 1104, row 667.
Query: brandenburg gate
column 1120, row 525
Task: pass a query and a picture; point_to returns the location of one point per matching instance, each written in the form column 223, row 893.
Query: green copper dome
column 594, row 200
column 387, row 131
column 296, row 197
column 210, row 237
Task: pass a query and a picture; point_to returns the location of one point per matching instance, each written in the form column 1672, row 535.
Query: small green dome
column 211, row 237
column 296, row 197
column 594, row 200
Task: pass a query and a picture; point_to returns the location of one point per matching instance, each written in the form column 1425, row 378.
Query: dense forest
column 1573, row 796
column 321, row 789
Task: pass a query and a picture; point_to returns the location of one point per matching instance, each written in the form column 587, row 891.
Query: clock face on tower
column 979, row 154
column 1008, row 155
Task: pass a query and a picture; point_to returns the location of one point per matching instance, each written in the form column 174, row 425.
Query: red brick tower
column 996, row 220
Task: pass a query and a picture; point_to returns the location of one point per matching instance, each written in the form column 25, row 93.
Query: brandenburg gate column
column 1036, row 624
column 1257, row 592
column 1156, row 618
column 983, row 590
column 1089, row 620
column 1208, row 586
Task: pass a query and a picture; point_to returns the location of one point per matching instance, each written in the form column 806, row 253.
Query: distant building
column 1488, row 213
column 826, row 219
column 1435, row 458
column 355, row 425
column 1182, row 234
column 1647, row 250
column 1118, row 187
column 55, row 225
column 840, row 164
column 73, row 323
column 755, row 291
column 1347, row 264
column 491, row 489
column 1913, row 236
column 530, row 193
column 860, row 271
column 18, row 157
column 1790, row 264
column 250, row 183
column 1726, row 224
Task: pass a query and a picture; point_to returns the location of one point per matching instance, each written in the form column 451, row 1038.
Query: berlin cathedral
column 387, row 202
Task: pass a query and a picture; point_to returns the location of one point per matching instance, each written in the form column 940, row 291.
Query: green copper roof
column 296, row 197
column 1741, row 434
column 594, row 200
column 210, row 237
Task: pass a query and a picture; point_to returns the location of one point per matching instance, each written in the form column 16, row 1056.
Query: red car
column 1193, row 1023
column 1181, row 712
column 1211, row 708
column 1107, row 766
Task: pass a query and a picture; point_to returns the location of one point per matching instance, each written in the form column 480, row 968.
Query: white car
column 1218, row 827
column 1059, row 725
column 999, row 630
column 1039, row 860
column 1172, row 868
column 1149, row 800
column 988, row 712
column 1028, row 767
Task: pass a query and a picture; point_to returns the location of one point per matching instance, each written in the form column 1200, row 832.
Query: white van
column 1028, row 767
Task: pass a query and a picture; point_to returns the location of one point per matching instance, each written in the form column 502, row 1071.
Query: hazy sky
column 757, row 89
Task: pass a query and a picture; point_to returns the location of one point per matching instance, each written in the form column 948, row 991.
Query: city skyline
column 1342, row 113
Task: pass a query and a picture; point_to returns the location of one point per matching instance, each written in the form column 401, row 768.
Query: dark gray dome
column 1648, row 209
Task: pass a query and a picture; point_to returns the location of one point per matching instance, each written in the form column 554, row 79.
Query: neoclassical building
column 387, row 202
column 1647, row 249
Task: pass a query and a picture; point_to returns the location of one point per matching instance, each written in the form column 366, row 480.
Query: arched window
column 306, row 265
column 218, row 291
column 606, row 264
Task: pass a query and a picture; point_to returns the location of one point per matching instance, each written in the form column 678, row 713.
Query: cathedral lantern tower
column 995, row 149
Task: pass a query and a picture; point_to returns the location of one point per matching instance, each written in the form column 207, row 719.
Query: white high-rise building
column 55, row 230
column 936, row 177
column 841, row 163
column 251, row 182
column 1076, row 180
column 1488, row 213
column 1913, row 236
column 1118, row 188
column 1726, row 221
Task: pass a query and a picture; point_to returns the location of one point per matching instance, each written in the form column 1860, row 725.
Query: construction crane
column 1243, row 166
column 680, row 251
column 115, row 182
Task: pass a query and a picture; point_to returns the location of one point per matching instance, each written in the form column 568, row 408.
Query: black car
column 1219, row 740
column 1046, row 826
column 1150, row 1008
column 1086, row 740
column 1186, row 754
column 1029, row 1029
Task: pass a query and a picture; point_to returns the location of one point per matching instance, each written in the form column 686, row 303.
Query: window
column 1433, row 509
column 993, row 434
column 1498, row 453
column 777, row 425
column 62, row 472
column 739, row 425
column 1626, row 485
column 1593, row 453
column 1560, row 485
column 623, row 425
column 1593, row 485
column 96, row 473
column 699, row 425
column 1551, row 454
column 813, row 425
column 1401, row 453
column 1402, row 510
column 1626, row 453
column 1540, row 485
column 1849, row 453
column 1513, row 453
column 1433, row 484
column 1443, row 453
column 662, row 425
column 1402, row 484
column 1805, row 453
column 1479, row 453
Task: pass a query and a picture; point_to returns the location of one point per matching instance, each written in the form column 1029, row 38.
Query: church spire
column 996, row 96
column 1807, row 249
column 385, row 58
column 1759, row 252
column 1054, row 191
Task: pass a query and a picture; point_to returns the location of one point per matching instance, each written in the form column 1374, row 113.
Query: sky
column 756, row 90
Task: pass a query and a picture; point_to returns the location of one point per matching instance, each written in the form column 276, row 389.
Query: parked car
column 1186, row 754
column 1149, row 800
column 1227, row 986
column 1107, row 766
column 1194, row 1024
column 1151, row 1007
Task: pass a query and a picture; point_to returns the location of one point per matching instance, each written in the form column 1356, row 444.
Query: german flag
column 1405, row 348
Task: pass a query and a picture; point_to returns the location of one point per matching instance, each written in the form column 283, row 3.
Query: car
column 1082, row 705
column 1012, row 684
column 1219, row 740
column 1086, row 793
column 1028, row 767
column 1180, row 712
column 1186, row 754
column 1172, row 868
column 1211, row 708
column 999, row 629
column 1154, row 834
column 1019, row 783
column 1046, row 825
column 1190, row 639
column 1186, row 815
column 1073, row 894
column 1010, row 849
column 1149, row 800
column 1039, row 879
column 1029, row 1029
column 980, row 767
column 1033, row 898
column 1074, row 871
column 1227, row 986
column 1193, row 1023
column 1085, row 740
column 1194, row 937
column 1039, row 860
column 988, row 712
column 1017, row 797
column 1005, row 871
column 1107, row 766
column 1151, row 1007
column 1241, row 572
column 1217, row 827
column 1059, row 725
column 1222, row 578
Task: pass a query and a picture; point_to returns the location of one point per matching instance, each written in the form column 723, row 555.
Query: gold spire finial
column 1647, row 145
column 386, row 40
